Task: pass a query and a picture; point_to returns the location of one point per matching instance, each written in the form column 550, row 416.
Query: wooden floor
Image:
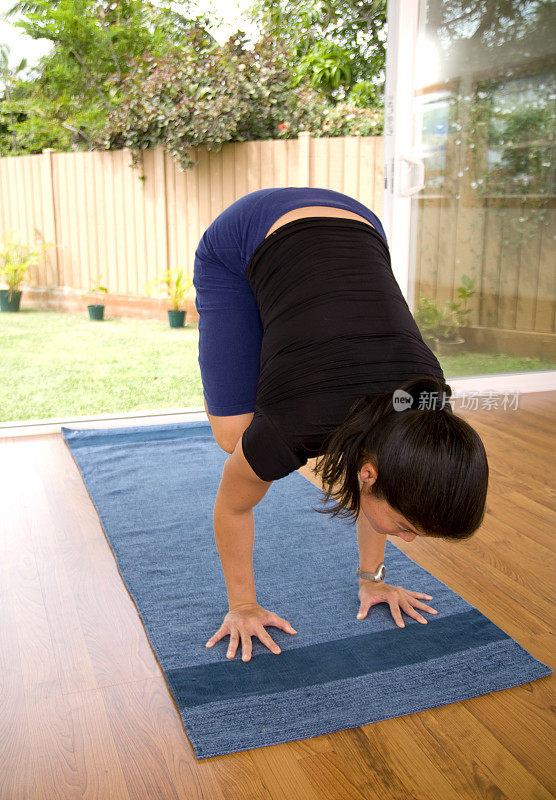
column 86, row 712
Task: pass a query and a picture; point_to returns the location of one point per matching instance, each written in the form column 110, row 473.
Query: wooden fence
column 103, row 218
column 507, row 243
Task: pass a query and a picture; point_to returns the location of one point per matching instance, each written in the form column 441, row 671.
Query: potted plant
column 15, row 261
column 439, row 325
column 175, row 287
column 96, row 310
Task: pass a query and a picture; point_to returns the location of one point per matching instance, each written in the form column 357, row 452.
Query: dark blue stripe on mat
column 78, row 438
column 331, row 661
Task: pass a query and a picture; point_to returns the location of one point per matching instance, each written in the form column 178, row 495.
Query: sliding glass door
column 470, row 179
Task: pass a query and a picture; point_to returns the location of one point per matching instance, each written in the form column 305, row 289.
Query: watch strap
column 372, row 576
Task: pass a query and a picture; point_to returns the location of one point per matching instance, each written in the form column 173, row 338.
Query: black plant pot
column 8, row 303
column 176, row 318
column 96, row 312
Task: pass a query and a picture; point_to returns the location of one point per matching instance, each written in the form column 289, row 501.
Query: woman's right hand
column 244, row 621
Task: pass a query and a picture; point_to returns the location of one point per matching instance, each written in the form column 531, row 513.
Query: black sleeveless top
column 335, row 326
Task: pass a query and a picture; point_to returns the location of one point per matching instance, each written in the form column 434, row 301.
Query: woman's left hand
column 398, row 599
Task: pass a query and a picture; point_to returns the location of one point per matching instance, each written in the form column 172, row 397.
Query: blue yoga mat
column 154, row 489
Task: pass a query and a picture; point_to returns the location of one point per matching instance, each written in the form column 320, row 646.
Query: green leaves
column 226, row 94
column 326, row 65
column 436, row 322
column 334, row 44
column 66, row 100
column 173, row 285
column 16, row 259
column 96, row 285
column 214, row 96
column 131, row 74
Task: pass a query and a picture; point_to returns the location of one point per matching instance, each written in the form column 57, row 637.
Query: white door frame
column 399, row 156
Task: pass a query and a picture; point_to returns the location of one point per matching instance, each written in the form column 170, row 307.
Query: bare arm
column 372, row 545
column 240, row 490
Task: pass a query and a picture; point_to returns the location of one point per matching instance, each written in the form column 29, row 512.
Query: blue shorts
column 230, row 327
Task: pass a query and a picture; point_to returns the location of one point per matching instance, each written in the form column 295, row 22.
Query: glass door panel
column 483, row 228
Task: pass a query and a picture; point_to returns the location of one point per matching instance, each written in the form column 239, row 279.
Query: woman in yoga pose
column 308, row 348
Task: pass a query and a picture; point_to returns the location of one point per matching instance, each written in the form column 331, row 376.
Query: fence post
column 304, row 163
column 49, row 208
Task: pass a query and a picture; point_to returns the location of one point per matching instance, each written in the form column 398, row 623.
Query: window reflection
column 484, row 226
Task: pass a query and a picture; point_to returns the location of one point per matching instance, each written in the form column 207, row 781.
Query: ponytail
column 431, row 464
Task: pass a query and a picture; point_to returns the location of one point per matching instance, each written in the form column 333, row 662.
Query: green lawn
column 57, row 365
column 61, row 365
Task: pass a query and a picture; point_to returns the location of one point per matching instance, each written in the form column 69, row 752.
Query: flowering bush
column 228, row 93
column 192, row 98
column 345, row 119
column 312, row 113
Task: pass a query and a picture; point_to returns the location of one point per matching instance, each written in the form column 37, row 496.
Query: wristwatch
column 372, row 576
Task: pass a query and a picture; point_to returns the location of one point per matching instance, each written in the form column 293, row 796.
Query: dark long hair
column 431, row 464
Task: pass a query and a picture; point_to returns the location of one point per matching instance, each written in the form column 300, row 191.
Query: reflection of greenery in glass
column 436, row 128
column 486, row 117
column 470, row 363
column 519, row 117
column 510, row 151
column 442, row 322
